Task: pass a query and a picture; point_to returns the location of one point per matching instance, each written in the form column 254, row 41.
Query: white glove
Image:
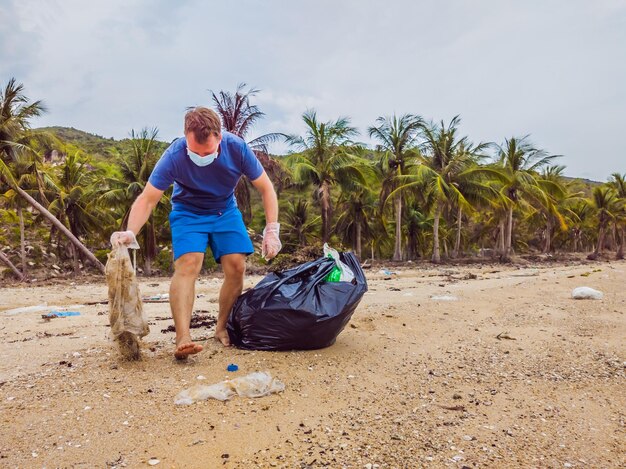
column 271, row 241
column 124, row 238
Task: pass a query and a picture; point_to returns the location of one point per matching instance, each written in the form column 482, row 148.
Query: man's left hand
column 271, row 241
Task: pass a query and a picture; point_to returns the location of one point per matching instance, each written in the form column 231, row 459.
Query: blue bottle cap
column 232, row 367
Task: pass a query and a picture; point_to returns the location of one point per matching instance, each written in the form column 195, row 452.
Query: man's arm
column 271, row 233
column 142, row 207
column 268, row 195
column 139, row 214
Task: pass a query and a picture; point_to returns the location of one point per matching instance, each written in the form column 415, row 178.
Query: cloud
column 550, row 69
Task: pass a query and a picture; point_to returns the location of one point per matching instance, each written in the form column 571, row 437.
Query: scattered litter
column 586, row 293
column 232, row 367
column 200, row 377
column 153, row 461
column 197, row 321
column 27, row 309
column 388, row 274
column 255, row 384
column 444, row 298
column 158, row 298
column 59, row 314
column 505, row 335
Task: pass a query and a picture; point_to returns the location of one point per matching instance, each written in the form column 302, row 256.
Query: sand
column 503, row 370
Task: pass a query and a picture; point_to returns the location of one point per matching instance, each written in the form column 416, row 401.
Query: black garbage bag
column 297, row 308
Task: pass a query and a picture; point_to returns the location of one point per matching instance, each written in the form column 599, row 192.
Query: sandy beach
column 473, row 366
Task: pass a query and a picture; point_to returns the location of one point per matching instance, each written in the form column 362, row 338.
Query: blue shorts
column 224, row 232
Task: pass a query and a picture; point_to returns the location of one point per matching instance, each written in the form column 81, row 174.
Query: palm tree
column 76, row 199
column 448, row 164
column 297, row 224
column 136, row 168
column 606, row 204
column 356, row 208
column 397, row 139
column 15, row 113
column 618, row 183
column 325, row 160
column 519, row 162
column 238, row 117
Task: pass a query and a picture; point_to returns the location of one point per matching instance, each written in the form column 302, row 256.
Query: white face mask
column 202, row 160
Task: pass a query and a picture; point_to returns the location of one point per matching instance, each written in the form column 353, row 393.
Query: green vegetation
column 423, row 192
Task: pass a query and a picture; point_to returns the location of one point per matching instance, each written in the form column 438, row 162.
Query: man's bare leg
column 182, row 295
column 234, row 267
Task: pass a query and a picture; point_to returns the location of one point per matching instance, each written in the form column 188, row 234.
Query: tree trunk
column 500, row 239
column 509, row 234
column 326, row 215
column 620, row 251
column 75, row 259
column 37, row 206
column 457, row 244
column 372, row 245
column 397, row 250
column 547, row 246
column 20, row 214
column 358, row 240
column 599, row 245
column 6, row 260
column 436, row 258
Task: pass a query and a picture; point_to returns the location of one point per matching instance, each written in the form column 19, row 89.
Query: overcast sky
column 554, row 69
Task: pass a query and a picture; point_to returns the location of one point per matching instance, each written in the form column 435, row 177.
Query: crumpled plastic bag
column 257, row 384
column 341, row 272
column 127, row 318
column 586, row 293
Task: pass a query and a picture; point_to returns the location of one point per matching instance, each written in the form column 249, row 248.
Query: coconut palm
column 448, row 163
column 519, row 162
column 356, row 210
column 297, row 224
column 618, row 183
column 76, row 198
column 606, row 204
column 136, row 167
column 238, row 117
column 325, row 160
column 15, row 113
column 396, row 138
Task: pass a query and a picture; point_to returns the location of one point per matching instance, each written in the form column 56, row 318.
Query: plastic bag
column 256, row 384
column 586, row 293
column 341, row 272
column 296, row 308
column 127, row 318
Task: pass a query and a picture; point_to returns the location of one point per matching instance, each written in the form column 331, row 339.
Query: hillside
column 99, row 147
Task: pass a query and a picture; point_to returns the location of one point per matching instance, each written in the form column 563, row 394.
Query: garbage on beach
column 297, row 309
column 341, row 272
column 444, row 298
column 158, row 298
column 257, row 384
column 27, row 309
column 586, row 293
column 59, row 314
column 388, row 274
column 126, row 315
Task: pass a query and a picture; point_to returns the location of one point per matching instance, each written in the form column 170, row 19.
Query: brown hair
column 203, row 122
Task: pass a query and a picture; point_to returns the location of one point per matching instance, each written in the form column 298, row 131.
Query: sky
column 551, row 69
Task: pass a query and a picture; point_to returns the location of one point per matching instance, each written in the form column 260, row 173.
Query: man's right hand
column 124, row 238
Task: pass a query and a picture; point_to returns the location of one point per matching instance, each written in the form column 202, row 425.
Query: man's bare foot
column 186, row 348
column 222, row 336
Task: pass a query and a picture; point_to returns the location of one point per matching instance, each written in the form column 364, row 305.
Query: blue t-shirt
column 205, row 188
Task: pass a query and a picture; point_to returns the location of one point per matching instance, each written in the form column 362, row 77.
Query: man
column 205, row 167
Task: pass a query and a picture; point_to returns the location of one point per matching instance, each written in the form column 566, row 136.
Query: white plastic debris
column 586, row 293
column 257, row 384
column 153, row 461
column 444, row 298
column 346, row 274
